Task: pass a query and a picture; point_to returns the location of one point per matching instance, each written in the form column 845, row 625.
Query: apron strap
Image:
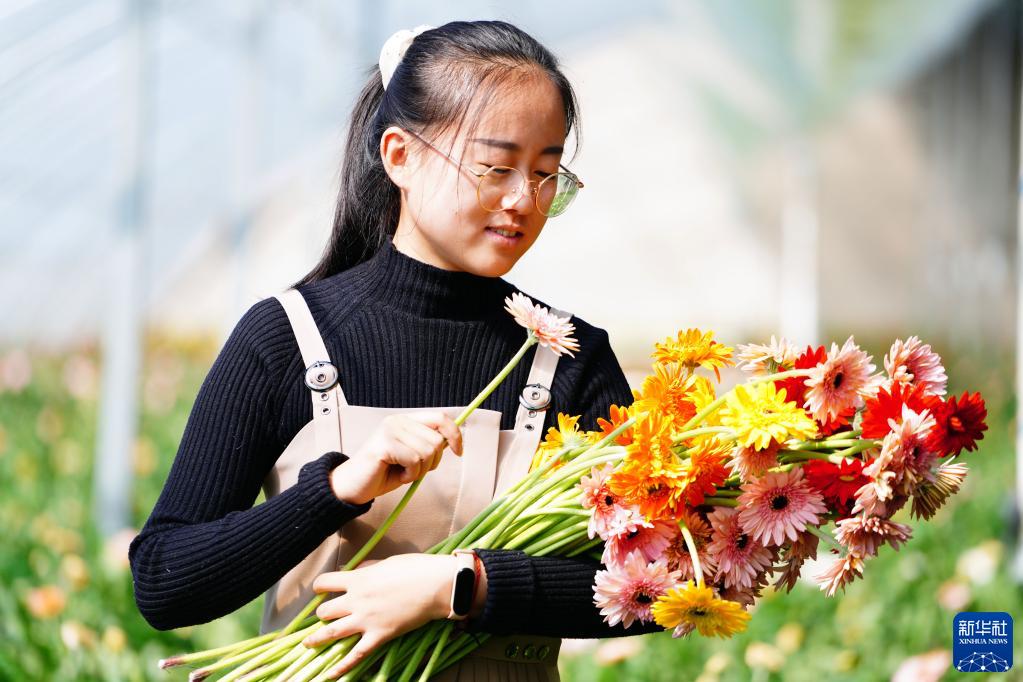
column 537, row 393
column 321, row 375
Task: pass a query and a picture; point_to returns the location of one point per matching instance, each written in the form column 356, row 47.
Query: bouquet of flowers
column 692, row 501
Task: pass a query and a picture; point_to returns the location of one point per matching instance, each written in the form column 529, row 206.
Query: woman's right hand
column 401, row 449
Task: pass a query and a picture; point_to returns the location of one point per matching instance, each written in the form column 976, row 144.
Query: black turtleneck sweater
column 403, row 333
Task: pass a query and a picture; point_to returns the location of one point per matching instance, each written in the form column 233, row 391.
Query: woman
column 434, row 208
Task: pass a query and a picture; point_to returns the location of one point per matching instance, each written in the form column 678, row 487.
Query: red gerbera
column 795, row 387
column 887, row 404
column 838, row 483
column 959, row 424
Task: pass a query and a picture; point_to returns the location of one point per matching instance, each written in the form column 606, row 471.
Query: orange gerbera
column 691, row 349
column 651, row 446
column 656, row 495
column 619, row 415
column 706, row 469
column 667, row 392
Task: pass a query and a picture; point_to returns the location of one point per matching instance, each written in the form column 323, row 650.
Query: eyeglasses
column 552, row 195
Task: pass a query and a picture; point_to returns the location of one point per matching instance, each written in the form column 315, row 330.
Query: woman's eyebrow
column 512, row 147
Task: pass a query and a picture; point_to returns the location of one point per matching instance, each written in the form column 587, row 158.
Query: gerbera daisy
column 776, row 356
column 795, row 387
column 597, row 495
column 929, row 497
column 691, row 349
column 840, row 573
column 565, row 435
column 796, row 553
column 779, row 505
column 625, row 593
column 667, row 393
column 619, row 415
column 842, row 381
column 636, row 534
column 677, row 553
column 655, row 495
column 913, row 362
column 905, row 459
column 883, row 409
column 739, row 557
column 759, row 414
column 959, row 423
column 696, row 606
column 706, row 470
column 550, row 330
column 838, row 483
column 651, row 448
column 863, row 535
column 747, row 462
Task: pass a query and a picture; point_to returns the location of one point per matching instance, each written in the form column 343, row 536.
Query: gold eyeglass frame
column 534, row 191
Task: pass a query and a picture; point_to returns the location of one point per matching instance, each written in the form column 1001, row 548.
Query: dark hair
column 444, row 71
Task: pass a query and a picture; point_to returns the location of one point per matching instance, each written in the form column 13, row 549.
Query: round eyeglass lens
column 555, row 193
column 500, row 183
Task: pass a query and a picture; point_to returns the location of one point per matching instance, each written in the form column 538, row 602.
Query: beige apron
column 448, row 498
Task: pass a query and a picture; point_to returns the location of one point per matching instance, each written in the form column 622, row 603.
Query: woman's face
column 442, row 222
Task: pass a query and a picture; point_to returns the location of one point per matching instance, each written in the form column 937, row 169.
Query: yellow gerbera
column 563, row 437
column 667, row 392
column 760, row 414
column 691, row 349
column 695, row 606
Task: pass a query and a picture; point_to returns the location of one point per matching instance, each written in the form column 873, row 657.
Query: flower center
column 837, row 381
column 698, row 612
column 609, row 500
column 741, row 542
column 779, row 502
column 956, row 424
column 644, row 598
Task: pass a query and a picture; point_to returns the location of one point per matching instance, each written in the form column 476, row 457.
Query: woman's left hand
column 382, row 600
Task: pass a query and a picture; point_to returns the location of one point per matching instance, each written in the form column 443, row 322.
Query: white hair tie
column 394, row 49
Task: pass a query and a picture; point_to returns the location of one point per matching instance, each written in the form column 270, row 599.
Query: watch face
column 464, row 580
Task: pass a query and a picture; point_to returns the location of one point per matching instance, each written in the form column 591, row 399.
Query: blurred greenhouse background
column 811, row 168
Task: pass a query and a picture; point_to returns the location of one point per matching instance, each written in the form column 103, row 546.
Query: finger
column 435, row 439
column 361, row 649
column 334, row 608
column 332, row 581
column 335, row 629
column 452, row 432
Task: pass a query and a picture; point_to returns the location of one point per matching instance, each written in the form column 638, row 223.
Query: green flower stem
column 693, row 553
column 297, row 665
column 435, row 655
column 219, row 652
column 702, row 431
column 828, row 538
column 460, row 647
column 551, row 542
column 269, row 668
column 387, row 665
column 548, row 528
column 727, row 492
column 721, row 501
column 429, row 632
column 278, row 648
column 595, row 542
column 326, row 658
column 238, row 658
column 713, row 406
column 359, row 670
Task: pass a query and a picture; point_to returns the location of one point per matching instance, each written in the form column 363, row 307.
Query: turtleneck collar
column 419, row 288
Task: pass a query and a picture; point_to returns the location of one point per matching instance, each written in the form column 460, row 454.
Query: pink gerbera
column 913, row 362
column 840, row 573
column 839, row 383
column 748, row 463
column 637, row 534
column 608, row 512
column 779, row 505
column 677, row 553
column 864, row 535
column 550, row 330
column 738, row 556
column 774, row 357
column 906, row 457
column 625, row 593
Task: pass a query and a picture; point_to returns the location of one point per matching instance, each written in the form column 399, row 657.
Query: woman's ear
column 395, row 152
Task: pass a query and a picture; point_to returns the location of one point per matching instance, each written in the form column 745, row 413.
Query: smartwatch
column 463, row 588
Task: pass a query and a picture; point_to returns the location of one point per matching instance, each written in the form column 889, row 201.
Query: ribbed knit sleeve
column 554, row 595
column 205, row 550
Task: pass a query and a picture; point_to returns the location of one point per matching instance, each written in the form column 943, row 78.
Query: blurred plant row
column 67, row 611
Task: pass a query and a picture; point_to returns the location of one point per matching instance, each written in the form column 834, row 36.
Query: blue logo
column 982, row 642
